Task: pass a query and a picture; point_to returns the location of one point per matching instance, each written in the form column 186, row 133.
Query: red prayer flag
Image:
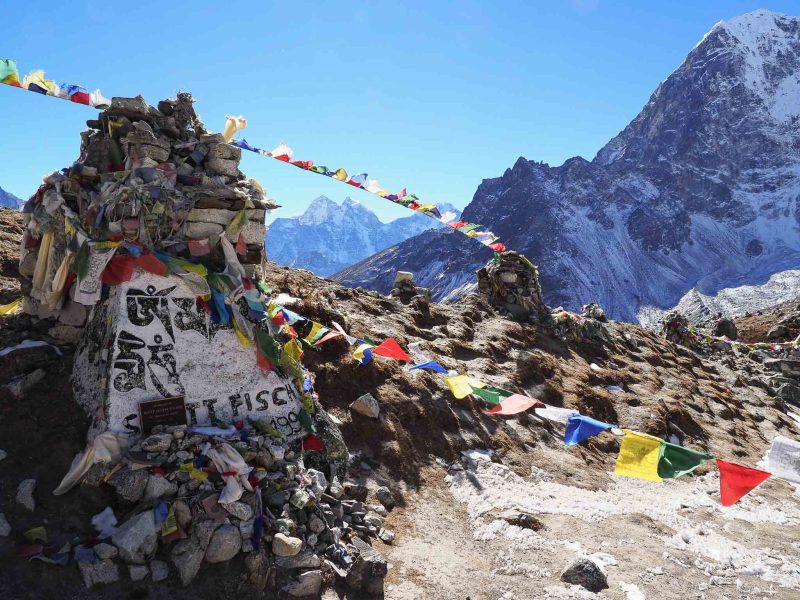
column 148, row 262
column 241, row 246
column 283, row 157
column 735, row 481
column 391, row 349
column 264, row 363
column 514, row 404
column 80, row 98
column 312, row 442
column 328, row 336
column 498, row 247
column 198, row 247
column 118, row 270
column 456, row 224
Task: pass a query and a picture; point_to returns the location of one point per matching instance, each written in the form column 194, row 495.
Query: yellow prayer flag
column 461, row 385
column 340, row 174
column 11, row 308
column 293, row 349
column 315, row 327
column 638, row 456
column 242, row 336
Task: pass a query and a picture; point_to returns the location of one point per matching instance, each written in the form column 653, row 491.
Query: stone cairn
column 407, row 291
column 510, row 283
column 155, row 178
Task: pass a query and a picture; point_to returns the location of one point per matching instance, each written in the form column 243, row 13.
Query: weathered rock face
column 700, row 190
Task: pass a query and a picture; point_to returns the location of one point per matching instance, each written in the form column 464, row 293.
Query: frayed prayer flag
column 340, row 174
column 783, row 459
column 11, row 308
column 198, row 247
column 267, row 350
column 312, row 442
column 358, row 180
column 492, row 395
column 638, row 456
column 8, row 72
column 581, row 427
column 363, row 353
column 514, row 404
column 242, row 336
column 317, row 330
column 555, row 414
column 327, row 337
column 463, row 385
column 677, row 460
column 148, row 262
column 430, row 365
column 391, row 349
column 293, row 350
column 118, row 270
column 736, row 481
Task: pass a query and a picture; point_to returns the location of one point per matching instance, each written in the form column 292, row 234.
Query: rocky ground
column 500, row 522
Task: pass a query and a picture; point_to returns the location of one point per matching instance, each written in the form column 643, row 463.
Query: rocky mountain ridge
column 9, row 200
column 329, row 237
column 701, row 190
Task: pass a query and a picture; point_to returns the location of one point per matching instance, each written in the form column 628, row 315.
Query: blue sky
column 432, row 96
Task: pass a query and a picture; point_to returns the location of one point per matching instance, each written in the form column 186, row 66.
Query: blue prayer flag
column 432, row 365
column 580, row 427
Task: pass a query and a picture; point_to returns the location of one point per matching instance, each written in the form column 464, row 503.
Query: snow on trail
column 487, row 489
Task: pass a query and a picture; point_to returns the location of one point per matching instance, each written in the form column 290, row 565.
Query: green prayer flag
column 674, row 461
column 268, row 346
column 237, row 223
column 307, row 422
column 492, row 395
column 81, row 265
column 370, row 341
column 468, row 227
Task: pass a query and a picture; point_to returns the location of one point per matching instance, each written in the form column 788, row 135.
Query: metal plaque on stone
column 164, row 411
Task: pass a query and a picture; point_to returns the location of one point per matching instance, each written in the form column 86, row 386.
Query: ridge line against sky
column 434, row 98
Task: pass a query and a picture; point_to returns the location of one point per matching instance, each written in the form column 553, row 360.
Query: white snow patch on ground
column 487, row 488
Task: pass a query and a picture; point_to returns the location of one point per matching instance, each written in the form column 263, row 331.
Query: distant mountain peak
column 329, row 237
column 707, row 172
column 9, row 200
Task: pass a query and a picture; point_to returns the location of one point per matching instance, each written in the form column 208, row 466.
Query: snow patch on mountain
column 730, row 302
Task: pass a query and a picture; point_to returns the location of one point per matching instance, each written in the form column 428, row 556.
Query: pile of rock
column 407, row 291
column 151, row 177
column 510, row 283
column 200, row 498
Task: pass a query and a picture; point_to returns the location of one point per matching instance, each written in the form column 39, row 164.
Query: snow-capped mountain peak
column 701, row 189
column 329, row 237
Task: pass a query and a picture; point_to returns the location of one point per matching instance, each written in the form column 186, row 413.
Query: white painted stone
column 163, row 346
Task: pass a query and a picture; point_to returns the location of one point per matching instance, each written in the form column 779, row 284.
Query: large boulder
column 187, row 556
column 726, row 327
column 585, row 573
column 224, row 545
column 137, row 538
